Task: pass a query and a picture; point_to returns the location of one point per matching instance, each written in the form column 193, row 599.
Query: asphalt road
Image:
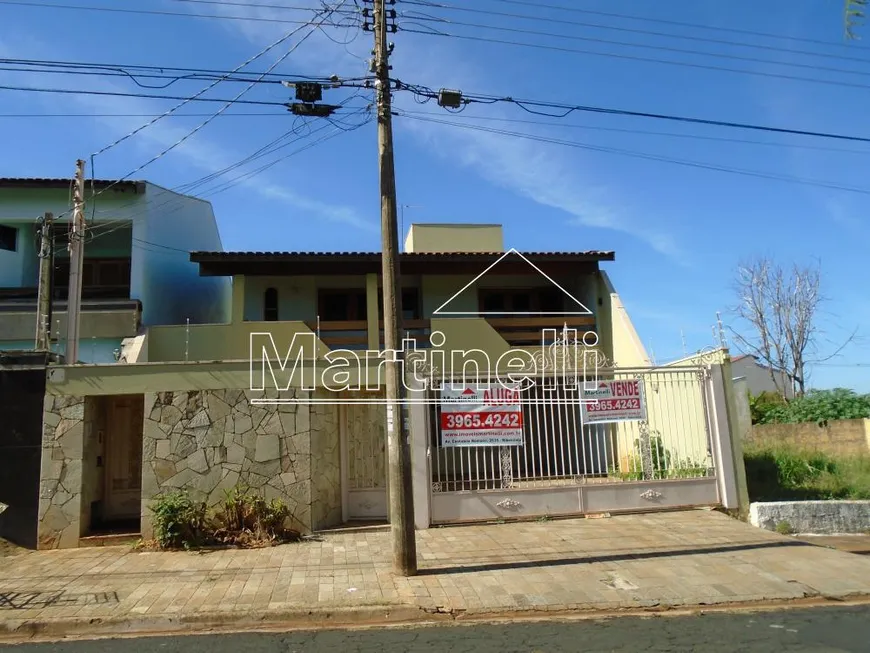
column 819, row 630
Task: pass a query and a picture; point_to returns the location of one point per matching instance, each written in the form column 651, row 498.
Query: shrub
column 815, row 406
column 245, row 518
column 179, row 521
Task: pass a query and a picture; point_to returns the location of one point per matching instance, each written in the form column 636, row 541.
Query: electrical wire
column 149, row 96
column 628, row 57
column 647, row 156
column 187, row 188
column 563, row 21
column 155, row 12
column 291, row 50
column 567, row 109
column 538, row 6
column 160, row 69
column 645, row 132
column 647, row 46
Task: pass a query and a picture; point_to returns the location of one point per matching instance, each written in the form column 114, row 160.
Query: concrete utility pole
column 43, row 302
column 398, row 441
column 76, row 259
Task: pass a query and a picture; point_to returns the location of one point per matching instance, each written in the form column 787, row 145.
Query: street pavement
column 814, row 630
column 672, row 559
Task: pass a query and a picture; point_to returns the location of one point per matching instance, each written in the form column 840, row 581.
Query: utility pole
column 43, row 302
column 398, row 441
column 76, row 259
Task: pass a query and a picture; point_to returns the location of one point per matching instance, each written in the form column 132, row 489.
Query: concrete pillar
column 737, row 435
column 374, row 329
column 723, row 449
column 418, row 416
column 238, row 310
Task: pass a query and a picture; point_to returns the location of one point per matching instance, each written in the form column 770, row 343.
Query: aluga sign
column 481, row 415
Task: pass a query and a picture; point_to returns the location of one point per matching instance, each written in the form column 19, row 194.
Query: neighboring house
column 136, row 269
column 757, row 376
column 189, row 414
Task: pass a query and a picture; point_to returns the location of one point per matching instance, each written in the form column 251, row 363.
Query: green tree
column 853, row 16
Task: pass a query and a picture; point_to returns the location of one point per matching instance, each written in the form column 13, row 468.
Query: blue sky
column 678, row 231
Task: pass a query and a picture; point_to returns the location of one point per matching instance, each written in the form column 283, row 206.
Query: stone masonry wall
column 210, row 441
column 326, row 466
column 61, row 472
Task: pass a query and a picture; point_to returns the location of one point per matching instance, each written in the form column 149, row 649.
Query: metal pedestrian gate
column 569, row 464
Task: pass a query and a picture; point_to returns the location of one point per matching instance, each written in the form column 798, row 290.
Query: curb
column 382, row 616
column 314, row 618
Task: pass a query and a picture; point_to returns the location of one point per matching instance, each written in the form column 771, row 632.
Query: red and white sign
column 481, row 416
column 617, row 401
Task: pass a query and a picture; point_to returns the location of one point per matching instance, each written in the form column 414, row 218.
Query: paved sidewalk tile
column 680, row 558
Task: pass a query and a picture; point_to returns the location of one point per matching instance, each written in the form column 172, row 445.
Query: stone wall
column 61, row 472
column 326, row 466
column 210, row 441
column 847, row 437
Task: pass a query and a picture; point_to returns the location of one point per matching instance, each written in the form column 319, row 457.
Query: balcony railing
column 353, row 334
column 529, row 331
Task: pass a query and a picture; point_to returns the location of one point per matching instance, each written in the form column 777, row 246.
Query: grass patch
column 788, row 474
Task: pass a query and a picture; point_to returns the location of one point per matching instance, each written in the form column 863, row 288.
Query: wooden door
column 123, row 495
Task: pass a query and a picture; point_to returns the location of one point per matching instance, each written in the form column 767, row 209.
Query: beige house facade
column 192, row 409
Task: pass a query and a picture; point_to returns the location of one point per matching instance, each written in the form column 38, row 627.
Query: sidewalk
column 633, row 561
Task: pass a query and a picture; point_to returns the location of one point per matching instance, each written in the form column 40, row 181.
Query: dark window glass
column 270, row 305
column 8, row 238
column 551, row 301
column 493, row 302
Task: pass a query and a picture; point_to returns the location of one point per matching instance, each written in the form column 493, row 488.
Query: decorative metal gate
column 566, row 466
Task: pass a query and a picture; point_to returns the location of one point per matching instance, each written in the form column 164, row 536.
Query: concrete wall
column 164, row 279
column 813, row 517
column 758, row 377
column 615, row 328
column 454, row 238
column 21, row 267
column 847, row 437
column 229, row 342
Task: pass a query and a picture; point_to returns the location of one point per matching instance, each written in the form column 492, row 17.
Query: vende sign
column 481, row 415
column 617, row 401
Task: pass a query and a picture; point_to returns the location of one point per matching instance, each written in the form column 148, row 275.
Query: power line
column 628, row 57
column 647, row 156
column 646, row 132
column 159, row 69
column 140, row 115
column 647, row 46
column 539, row 6
column 156, row 12
column 563, row 21
column 326, row 13
column 567, row 109
column 217, row 81
column 69, row 91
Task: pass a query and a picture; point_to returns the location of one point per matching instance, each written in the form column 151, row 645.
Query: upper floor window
column 410, row 304
column 8, row 238
column 343, row 305
column 516, row 301
column 270, row 305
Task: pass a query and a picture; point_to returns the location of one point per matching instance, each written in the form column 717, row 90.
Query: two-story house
column 136, row 268
column 196, row 411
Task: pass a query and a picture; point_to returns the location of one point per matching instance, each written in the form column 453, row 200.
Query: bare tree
column 779, row 309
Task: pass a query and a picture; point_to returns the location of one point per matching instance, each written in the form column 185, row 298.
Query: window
column 8, row 238
column 270, row 305
column 342, row 305
column 410, row 304
column 514, row 301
